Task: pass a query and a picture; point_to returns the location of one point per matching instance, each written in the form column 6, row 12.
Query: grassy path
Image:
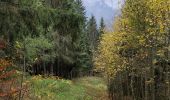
column 95, row 87
column 85, row 88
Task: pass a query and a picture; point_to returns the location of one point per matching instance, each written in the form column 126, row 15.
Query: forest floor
column 85, row 88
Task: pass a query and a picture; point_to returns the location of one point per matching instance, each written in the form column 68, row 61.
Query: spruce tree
column 102, row 26
column 93, row 34
column 83, row 61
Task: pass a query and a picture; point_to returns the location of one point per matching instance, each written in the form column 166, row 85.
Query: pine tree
column 101, row 27
column 84, row 56
column 93, row 34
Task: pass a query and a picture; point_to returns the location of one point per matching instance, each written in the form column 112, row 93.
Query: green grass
column 86, row 88
column 95, row 87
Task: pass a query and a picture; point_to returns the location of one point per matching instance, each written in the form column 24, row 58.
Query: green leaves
column 38, row 47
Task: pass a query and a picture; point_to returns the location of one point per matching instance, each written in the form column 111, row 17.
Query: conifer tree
column 93, row 34
column 84, row 54
column 102, row 26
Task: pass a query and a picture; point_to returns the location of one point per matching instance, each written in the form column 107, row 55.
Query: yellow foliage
column 141, row 24
column 108, row 59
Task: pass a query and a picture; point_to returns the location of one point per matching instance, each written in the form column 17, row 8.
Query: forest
column 51, row 50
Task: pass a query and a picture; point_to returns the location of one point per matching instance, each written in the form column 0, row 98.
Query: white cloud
column 114, row 4
column 109, row 3
column 90, row 3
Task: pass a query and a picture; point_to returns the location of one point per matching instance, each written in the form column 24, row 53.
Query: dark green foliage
column 49, row 31
column 83, row 50
column 93, row 34
column 101, row 27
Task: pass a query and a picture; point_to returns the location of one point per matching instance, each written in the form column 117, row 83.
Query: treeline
column 136, row 56
column 48, row 36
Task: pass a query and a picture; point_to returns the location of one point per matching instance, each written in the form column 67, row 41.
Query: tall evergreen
column 102, row 26
column 83, row 58
column 93, row 34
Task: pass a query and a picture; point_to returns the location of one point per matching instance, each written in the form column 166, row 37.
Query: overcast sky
column 107, row 9
column 114, row 4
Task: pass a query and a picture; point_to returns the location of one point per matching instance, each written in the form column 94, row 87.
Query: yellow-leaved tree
column 135, row 57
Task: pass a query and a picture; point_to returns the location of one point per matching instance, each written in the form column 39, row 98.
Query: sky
column 114, row 4
column 107, row 9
